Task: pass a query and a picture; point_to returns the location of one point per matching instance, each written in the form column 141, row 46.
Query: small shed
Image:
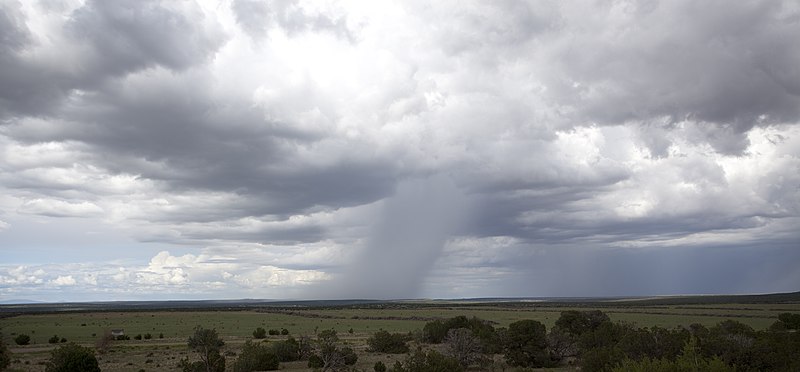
column 117, row 332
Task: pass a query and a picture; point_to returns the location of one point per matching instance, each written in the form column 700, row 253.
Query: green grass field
column 236, row 327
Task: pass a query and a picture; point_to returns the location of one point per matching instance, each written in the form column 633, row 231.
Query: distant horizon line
column 378, row 300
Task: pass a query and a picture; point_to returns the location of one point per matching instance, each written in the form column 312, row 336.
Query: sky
column 227, row 149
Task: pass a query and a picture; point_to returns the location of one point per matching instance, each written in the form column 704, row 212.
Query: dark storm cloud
column 100, row 40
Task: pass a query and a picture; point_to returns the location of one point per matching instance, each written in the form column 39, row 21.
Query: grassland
column 354, row 324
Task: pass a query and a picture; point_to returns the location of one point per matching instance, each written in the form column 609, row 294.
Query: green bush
column 526, row 344
column 22, row 339
column 256, row 357
column 286, row 351
column 385, row 342
column 314, row 361
column 260, row 333
column 72, row 357
column 349, row 356
column 792, row 321
column 54, row 339
column 690, row 360
column 214, row 363
column 5, row 355
column 432, row 361
column 208, row 344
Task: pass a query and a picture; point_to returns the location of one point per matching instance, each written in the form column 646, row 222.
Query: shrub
column 689, row 360
column 161, row 335
column 256, row 357
column 207, row 343
column 379, row 367
column 274, row 332
column 286, row 351
column 349, row 356
column 72, row 357
column 147, row 336
column 137, row 337
column 284, row 332
column 53, row 340
column 260, row 333
column 5, row 356
column 22, row 339
column 463, row 346
column 216, row 363
column 789, row 320
column 526, row 344
column 314, row 361
column 385, row 342
column 431, row 361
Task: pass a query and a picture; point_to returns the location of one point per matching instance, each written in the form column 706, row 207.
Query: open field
column 354, row 324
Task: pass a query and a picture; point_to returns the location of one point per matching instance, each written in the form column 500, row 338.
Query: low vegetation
column 480, row 338
column 385, row 342
column 71, row 358
column 5, row 355
column 256, row 357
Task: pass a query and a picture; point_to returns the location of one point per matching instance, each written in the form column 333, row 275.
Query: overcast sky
column 292, row 149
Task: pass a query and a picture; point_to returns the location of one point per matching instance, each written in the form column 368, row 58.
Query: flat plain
column 354, row 323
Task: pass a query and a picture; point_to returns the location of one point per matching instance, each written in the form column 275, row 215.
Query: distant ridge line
column 249, row 304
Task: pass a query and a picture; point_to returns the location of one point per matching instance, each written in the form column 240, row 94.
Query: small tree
column 256, row 357
column 463, row 346
column 72, row 357
column 790, row 320
column 5, row 356
column 349, row 356
column 284, row 332
column 286, row 351
column 54, row 339
column 22, row 339
column 385, row 342
column 331, row 357
column 526, row 344
column 260, row 333
column 207, row 343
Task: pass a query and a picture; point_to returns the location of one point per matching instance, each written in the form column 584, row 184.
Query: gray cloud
column 490, row 141
column 728, row 68
column 257, row 17
column 124, row 37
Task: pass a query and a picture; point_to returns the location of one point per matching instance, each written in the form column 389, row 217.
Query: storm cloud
column 398, row 149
